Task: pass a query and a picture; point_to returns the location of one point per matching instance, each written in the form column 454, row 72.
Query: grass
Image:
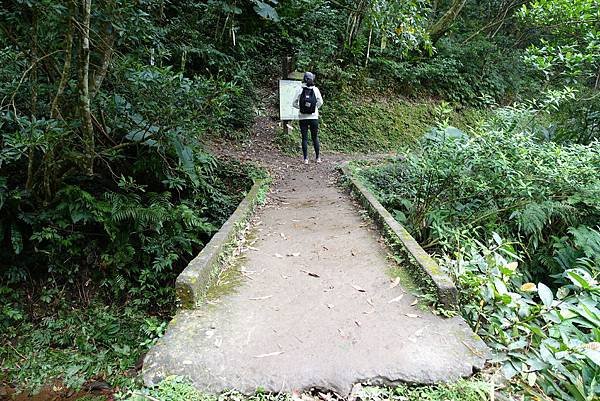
column 178, row 389
column 351, row 124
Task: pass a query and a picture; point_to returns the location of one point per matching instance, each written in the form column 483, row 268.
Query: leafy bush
column 547, row 340
column 534, row 296
column 76, row 344
column 477, row 73
column 544, row 195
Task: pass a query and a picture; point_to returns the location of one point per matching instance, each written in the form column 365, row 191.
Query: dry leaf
column 310, row 273
column 416, row 301
column 395, row 283
column 261, row 298
column 594, row 346
column 358, row 288
column 396, row 299
column 528, row 287
column 411, row 315
column 278, row 255
column 353, row 252
column 269, row 354
column 356, row 322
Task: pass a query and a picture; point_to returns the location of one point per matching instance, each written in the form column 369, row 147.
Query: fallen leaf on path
column 310, row 273
column 324, row 247
column 330, row 306
column 269, row 354
column 285, row 277
column 358, row 288
column 391, row 301
column 370, row 302
column 261, row 298
column 278, row 255
column 368, row 312
column 416, row 301
column 411, row 315
column 395, row 283
column 295, row 254
column 353, row 252
column 356, row 322
column 252, row 248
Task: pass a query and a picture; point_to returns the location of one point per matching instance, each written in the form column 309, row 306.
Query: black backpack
column 308, row 101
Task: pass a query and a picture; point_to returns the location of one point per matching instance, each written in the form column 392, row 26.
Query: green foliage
column 458, row 192
column 351, row 123
column 569, row 45
column 500, row 179
column 76, row 344
column 478, row 73
column 175, row 388
column 547, row 341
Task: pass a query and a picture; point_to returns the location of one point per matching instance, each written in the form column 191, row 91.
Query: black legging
column 314, row 133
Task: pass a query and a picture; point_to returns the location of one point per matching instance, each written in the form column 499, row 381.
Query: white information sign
column 287, row 91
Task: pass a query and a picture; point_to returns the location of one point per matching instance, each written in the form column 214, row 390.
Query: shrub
column 538, row 193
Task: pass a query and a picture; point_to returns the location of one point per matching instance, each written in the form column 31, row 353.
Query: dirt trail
column 316, row 307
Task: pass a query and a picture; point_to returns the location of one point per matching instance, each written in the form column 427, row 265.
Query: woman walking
column 308, row 100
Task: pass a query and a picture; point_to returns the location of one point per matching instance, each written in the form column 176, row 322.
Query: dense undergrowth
column 515, row 219
column 106, row 190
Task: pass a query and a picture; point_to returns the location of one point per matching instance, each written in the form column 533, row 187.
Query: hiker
column 308, row 100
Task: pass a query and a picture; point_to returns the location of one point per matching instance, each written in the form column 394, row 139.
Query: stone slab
column 324, row 317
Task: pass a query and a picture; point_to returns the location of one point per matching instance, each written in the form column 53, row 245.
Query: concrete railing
column 191, row 285
column 427, row 268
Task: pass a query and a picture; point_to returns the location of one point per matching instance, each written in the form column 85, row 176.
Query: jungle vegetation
column 107, row 188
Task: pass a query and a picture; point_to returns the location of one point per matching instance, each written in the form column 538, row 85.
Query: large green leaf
column 545, row 294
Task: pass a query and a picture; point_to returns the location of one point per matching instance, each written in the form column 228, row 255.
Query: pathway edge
column 443, row 285
column 194, row 280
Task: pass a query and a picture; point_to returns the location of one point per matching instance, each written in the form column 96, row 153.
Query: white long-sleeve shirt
column 296, row 103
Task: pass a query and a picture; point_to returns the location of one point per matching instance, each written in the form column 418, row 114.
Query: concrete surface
column 316, row 308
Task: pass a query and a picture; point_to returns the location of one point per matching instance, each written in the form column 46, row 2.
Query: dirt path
column 316, row 307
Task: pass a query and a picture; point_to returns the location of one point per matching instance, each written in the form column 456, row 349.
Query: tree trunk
column 66, row 71
column 441, row 26
column 108, row 44
column 84, row 89
column 369, row 47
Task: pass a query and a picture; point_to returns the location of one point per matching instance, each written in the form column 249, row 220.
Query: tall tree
column 443, row 24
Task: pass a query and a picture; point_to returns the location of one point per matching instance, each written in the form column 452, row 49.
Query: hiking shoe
column 319, row 160
column 305, row 161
